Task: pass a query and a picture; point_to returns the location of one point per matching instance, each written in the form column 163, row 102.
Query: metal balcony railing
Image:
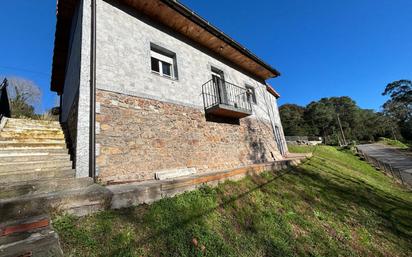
column 4, row 100
column 226, row 99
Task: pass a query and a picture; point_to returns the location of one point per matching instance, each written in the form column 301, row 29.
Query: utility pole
column 393, row 133
column 341, row 129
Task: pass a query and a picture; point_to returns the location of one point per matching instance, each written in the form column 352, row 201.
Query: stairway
column 36, row 179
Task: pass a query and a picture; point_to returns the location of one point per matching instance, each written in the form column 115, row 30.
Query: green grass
column 332, row 205
column 392, row 142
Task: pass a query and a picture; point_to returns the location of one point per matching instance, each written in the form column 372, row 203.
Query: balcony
column 222, row 98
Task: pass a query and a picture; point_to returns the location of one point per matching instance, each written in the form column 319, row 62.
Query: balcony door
column 219, row 85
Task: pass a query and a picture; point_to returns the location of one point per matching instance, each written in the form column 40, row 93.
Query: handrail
column 217, row 92
column 4, row 100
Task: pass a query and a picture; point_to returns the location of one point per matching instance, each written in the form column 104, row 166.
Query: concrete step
column 19, row 229
column 6, row 167
column 44, row 243
column 28, row 144
column 10, row 177
column 20, row 122
column 12, row 123
column 6, row 152
column 34, row 157
column 31, row 140
column 30, row 129
column 32, row 134
column 22, row 188
column 77, row 202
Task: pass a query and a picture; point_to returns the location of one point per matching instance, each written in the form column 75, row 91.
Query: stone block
column 174, row 173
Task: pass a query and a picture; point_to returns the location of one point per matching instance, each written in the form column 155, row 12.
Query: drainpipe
column 92, row 127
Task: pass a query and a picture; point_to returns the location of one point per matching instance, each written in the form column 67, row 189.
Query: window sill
column 166, row 77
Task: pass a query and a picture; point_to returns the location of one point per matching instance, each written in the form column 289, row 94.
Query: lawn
column 331, row 205
column 391, row 142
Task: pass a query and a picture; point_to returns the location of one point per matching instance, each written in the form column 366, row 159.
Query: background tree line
column 321, row 118
column 23, row 95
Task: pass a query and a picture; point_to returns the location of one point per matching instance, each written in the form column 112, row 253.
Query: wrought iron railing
column 219, row 92
column 4, row 100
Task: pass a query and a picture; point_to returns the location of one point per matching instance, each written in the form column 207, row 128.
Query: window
column 251, row 94
column 163, row 62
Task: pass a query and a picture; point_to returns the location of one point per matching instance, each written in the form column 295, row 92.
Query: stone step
column 76, row 201
column 22, row 188
column 32, row 145
column 19, row 229
column 19, row 158
column 32, row 134
column 20, row 122
column 6, row 152
column 7, row 167
column 31, row 125
column 44, row 243
column 13, row 124
column 31, row 140
column 29, row 129
column 10, row 177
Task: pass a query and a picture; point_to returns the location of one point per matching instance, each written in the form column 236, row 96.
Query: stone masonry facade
column 137, row 137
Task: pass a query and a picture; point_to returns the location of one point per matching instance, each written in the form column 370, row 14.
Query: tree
column 24, row 94
column 399, row 106
column 293, row 121
column 320, row 118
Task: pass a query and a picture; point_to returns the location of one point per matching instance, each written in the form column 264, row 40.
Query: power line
column 26, row 70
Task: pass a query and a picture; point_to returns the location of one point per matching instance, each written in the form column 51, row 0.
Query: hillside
column 333, row 204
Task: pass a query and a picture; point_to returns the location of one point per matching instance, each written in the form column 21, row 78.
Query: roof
column 270, row 89
column 174, row 15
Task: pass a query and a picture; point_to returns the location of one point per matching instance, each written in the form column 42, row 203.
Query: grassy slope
column 331, row 205
column 391, row 142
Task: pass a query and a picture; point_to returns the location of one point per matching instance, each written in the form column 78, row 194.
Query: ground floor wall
column 137, row 137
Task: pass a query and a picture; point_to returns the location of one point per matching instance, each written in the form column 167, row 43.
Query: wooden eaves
column 170, row 13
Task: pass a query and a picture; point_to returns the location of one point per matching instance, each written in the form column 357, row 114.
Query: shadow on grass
column 338, row 193
column 166, row 227
column 261, row 184
column 397, row 212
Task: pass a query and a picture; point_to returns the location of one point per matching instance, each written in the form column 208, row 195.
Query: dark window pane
column 251, row 96
column 155, row 65
column 167, row 68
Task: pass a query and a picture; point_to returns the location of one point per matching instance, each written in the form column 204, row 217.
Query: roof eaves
column 185, row 11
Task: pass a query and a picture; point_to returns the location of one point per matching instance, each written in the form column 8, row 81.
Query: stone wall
column 137, row 137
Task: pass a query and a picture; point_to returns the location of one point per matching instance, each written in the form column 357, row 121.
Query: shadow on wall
column 219, row 119
column 257, row 149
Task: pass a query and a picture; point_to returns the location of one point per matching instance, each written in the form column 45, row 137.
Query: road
column 398, row 160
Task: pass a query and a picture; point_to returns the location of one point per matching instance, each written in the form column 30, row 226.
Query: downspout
column 92, row 128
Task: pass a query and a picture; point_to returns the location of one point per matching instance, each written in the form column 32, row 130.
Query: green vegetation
column 320, row 118
column 399, row 105
column 391, row 142
column 331, row 205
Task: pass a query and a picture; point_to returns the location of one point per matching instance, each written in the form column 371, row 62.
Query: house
column 149, row 87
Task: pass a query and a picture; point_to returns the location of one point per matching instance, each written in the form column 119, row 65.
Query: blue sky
column 322, row 48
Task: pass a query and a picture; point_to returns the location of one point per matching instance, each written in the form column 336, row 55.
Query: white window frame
column 166, row 59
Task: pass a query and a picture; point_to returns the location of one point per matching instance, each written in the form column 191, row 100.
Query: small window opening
column 163, row 62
